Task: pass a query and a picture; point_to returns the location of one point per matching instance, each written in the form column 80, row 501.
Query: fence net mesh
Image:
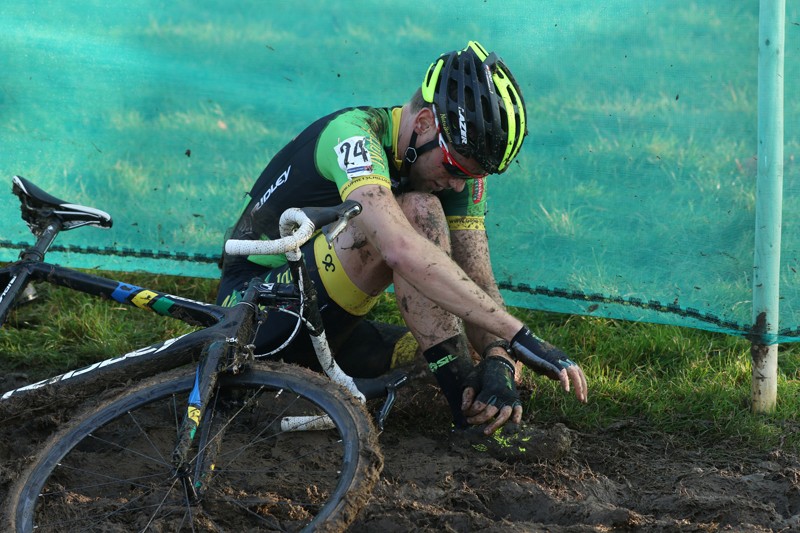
column 633, row 196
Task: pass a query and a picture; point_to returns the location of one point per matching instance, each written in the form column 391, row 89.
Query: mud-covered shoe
column 516, row 442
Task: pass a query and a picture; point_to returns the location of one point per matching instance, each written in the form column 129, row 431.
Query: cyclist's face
column 430, row 174
column 441, row 168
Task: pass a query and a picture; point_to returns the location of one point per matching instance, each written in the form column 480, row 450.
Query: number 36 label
column 353, row 156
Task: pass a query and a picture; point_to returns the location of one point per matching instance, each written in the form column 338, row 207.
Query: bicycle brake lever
column 336, row 228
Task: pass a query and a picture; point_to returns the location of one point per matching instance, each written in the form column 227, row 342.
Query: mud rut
column 625, row 478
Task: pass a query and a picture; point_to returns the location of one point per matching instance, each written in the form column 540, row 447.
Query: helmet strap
column 413, row 152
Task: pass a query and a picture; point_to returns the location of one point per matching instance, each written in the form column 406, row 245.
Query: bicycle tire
column 135, row 434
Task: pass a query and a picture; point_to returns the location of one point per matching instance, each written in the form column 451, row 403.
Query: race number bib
column 353, row 156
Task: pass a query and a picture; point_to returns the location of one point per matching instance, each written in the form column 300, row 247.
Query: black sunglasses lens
column 455, row 171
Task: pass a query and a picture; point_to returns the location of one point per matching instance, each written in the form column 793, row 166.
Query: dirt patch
column 626, row 477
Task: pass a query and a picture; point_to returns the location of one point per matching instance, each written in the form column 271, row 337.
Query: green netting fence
column 633, row 198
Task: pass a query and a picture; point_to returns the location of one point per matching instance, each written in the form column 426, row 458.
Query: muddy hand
column 492, row 398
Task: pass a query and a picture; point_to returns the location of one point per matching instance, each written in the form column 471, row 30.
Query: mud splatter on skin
column 365, row 255
column 472, row 256
column 357, row 244
column 436, row 230
column 361, row 245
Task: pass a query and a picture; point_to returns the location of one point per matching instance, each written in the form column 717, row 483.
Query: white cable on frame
column 337, row 375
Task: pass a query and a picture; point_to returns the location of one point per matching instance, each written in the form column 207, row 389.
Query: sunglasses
column 453, row 167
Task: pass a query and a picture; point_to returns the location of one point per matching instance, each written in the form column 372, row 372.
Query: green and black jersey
column 322, row 166
column 330, row 159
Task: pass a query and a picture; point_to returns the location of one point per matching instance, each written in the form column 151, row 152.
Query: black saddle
column 38, row 207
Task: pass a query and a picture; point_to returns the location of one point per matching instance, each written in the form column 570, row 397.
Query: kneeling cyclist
column 419, row 172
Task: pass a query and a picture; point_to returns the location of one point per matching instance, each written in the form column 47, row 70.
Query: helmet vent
column 469, row 99
column 452, row 90
column 486, row 106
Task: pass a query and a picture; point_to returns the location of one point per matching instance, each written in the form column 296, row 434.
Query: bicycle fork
column 204, row 386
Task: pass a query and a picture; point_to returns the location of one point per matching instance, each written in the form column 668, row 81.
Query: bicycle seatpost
column 43, row 241
column 34, row 254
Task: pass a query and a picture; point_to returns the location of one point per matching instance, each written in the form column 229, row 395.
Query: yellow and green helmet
column 479, row 105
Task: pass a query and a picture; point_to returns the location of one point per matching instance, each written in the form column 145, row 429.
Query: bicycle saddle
column 38, row 206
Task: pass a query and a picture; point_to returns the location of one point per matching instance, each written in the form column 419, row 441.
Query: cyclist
column 419, row 172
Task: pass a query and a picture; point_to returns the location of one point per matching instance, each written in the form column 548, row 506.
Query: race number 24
column 353, row 156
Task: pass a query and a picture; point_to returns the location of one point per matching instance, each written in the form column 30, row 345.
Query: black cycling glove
column 494, row 379
column 540, row 356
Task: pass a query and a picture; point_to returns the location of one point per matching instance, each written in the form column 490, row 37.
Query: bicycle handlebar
column 296, row 227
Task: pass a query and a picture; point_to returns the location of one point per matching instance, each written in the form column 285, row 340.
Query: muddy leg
column 438, row 332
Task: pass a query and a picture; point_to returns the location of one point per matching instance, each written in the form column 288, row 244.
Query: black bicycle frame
column 225, row 327
column 19, row 274
column 218, row 323
column 223, row 345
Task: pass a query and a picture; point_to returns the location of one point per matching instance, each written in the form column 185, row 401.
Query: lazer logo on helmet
column 283, row 178
column 462, row 125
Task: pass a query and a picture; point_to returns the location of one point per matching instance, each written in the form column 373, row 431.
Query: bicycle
column 190, row 446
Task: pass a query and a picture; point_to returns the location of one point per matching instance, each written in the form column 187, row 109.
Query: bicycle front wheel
column 111, row 470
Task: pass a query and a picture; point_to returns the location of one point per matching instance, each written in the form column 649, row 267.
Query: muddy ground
column 628, row 477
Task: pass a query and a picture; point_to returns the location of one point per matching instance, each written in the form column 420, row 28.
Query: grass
column 689, row 383
column 679, row 380
column 64, row 329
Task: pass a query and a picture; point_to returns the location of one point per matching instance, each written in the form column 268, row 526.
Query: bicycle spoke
column 112, row 474
column 159, row 460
